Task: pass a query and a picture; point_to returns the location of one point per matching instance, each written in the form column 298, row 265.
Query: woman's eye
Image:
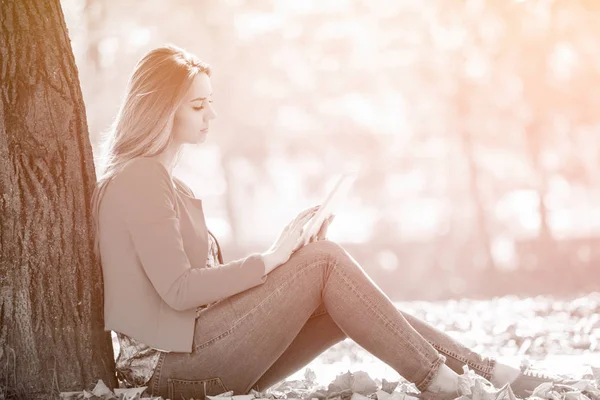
column 201, row 107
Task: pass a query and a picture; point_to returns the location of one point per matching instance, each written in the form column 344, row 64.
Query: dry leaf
column 543, row 390
column 388, row 386
column 358, row 396
column 101, row 390
column 130, row 393
column 576, row 395
column 362, row 383
column 341, row 382
column 383, row 395
column 236, row 397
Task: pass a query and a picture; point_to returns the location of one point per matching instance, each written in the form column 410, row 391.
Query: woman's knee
column 327, row 249
column 325, row 253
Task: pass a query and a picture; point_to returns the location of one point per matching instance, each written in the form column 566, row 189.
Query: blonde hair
column 142, row 126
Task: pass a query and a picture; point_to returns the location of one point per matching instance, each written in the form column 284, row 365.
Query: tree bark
column 52, row 334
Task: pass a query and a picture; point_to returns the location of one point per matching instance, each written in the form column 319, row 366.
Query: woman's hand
column 322, row 234
column 289, row 240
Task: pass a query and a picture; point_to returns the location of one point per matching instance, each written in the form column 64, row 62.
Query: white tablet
column 328, row 206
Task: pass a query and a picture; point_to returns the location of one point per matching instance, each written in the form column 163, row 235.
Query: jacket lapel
column 220, row 255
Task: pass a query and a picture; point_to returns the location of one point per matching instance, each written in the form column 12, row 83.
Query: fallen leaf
column 101, row 390
column 388, row 386
column 130, row 393
column 70, row 395
column 576, row 395
column 362, row 383
column 383, row 395
column 542, row 390
column 341, row 382
column 358, row 396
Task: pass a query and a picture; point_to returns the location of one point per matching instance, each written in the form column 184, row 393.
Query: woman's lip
column 204, row 130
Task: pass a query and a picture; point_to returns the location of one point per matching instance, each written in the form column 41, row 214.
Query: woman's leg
column 321, row 332
column 457, row 354
column 239, row 338
column 318, row 334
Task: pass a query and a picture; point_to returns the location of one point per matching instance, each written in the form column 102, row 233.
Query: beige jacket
column 153, row 248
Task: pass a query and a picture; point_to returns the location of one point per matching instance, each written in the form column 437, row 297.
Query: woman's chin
column 199, row 139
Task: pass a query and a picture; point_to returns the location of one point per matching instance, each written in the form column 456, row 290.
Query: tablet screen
column 328, row 206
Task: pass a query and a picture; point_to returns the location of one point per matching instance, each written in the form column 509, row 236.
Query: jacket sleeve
column 148, row 209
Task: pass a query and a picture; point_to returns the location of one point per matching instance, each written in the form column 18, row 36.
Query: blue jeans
column 319, row 297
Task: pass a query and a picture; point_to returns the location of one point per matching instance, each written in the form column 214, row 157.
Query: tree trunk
column 483, row 237
column 546, row 247
column 229, row 174
column 52, row 334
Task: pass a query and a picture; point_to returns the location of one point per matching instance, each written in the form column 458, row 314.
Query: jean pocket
column 183, row 389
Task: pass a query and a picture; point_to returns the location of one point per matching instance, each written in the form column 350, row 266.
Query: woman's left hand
column 322, row 234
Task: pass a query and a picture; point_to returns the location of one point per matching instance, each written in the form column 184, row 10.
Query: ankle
column 446, row 380
column 503, row 374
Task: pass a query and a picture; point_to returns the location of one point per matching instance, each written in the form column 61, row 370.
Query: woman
column 189, row 324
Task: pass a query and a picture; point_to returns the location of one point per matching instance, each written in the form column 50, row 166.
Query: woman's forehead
column 200, row 87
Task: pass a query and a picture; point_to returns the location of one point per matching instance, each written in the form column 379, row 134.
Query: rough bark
column 51, row 294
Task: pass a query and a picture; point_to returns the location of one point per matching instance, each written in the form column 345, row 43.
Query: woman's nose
column 211, row 114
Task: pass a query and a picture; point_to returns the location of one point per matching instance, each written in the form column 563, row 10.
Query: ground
column 561, row 335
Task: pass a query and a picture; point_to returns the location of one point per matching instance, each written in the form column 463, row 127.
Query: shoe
column 530, row 379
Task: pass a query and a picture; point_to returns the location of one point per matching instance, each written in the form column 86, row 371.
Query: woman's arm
column 268, row 258
column 148, row 208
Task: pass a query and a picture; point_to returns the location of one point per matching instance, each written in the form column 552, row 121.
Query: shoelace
column 527, row 370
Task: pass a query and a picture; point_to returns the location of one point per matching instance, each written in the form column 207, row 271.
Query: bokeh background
column 476, row 124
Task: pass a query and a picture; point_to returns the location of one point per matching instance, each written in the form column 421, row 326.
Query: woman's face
column 191, row 121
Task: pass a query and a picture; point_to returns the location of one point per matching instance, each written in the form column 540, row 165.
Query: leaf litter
column 533, row 326
column 360, row 386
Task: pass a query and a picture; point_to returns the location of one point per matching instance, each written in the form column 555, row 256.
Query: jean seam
column 485, row 370
column 301, row 269
column 388, row 324
column 172, row 381
column 319, row 314
column 431, row 374
column 195, row 381
column 158, row 370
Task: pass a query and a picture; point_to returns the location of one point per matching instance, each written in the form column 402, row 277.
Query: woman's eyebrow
column 200, row 98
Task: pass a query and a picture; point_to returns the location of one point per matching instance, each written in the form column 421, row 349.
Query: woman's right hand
column 289, row 240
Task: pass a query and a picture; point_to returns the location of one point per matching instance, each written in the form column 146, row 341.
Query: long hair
column 143, row 124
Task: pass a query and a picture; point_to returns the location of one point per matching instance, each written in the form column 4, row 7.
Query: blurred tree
column 463, row 112
column 244, row 121
column 481, row 235
column 51, row 315
column 95, row 15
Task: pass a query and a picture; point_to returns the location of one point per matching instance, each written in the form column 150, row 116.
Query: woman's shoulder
column 141, row 171
column 139, row 178
column 139, row 187
column 182, row 185
column 140, row 167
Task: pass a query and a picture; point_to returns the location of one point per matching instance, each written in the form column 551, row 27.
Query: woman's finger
column 322, row 235
column 299, row 220
column 323, row 230
column 302, row 221
column 308, row 211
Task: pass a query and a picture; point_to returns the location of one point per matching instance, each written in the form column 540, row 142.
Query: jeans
column 316, row 299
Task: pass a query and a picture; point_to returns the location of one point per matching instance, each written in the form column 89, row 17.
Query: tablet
column 328, row 206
